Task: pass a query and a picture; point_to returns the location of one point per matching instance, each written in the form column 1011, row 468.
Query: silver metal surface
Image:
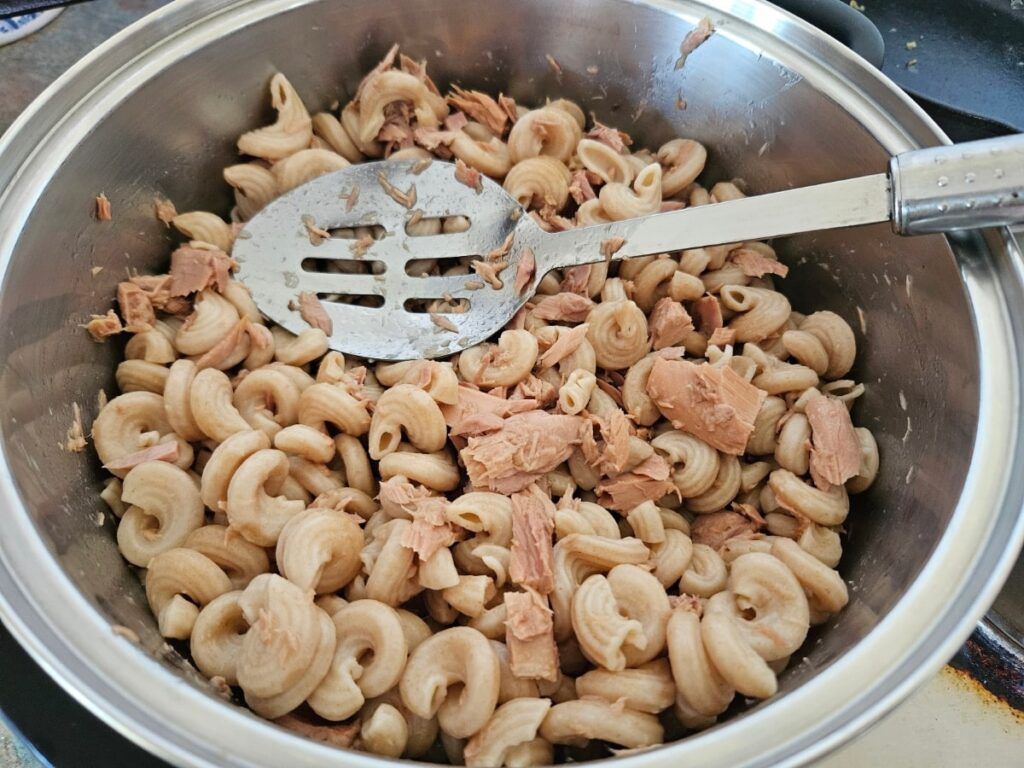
column 846, row 203
column 964, row 186
column 978, row 184
column 157, row 111
column 280, row 259
column 277, row 258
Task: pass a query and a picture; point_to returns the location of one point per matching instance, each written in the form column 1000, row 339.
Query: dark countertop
column 32, row 63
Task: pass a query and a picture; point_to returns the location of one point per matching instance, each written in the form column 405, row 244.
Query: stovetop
column 964, row 61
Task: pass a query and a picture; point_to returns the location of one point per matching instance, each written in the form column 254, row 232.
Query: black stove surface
column 969, row 53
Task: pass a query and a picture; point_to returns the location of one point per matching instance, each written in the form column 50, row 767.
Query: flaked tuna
column 527, row 446
column 835, row 450
column 714, row 404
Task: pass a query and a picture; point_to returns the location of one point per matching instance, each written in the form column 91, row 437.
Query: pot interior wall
column 173, row 135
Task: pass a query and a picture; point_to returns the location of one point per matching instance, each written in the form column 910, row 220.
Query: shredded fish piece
column 473, row 285
column 680, row 102
column 421, row 165
column 103, row 212
column 835, row 450
column 555, row 66
column 219, row 352
column 95, row 271
column 614, row 138
column 398, row 497
column 194, row 269
column 430, row 530
column 157, row 288
column 563, row 307
column 443, row 322
column 721, row 337
column 580, row 189
column 135, row 307
column 534, row 389
column 160, row 452
column 717, row 528
column 477, row 412
column 568, row 341
column 755, row 264
column 668, row 324
column 432, row 139
column 502, row 250
column 489, row 271
column 76, row 441
column 648, row 481
column 164, row 210
column 351, row 198
column 694, row 39
column 508, row 105
column 715, row 404
column 415, row 218
column 316, row 234
column 611, row 246
column 576, row 279
column 468, row 176
column 406, row 199
column 530, row 637
column 480, row 107
column 313, row 312
column 527, row 446
column 708, row 314
column 102, row 326
column 526, row 267
column 533, row 524
column 361, row 246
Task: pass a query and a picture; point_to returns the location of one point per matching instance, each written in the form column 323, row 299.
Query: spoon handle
column 959, row 186
column 846, row 203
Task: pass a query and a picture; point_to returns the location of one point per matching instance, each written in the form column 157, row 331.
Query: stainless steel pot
column 156, row 110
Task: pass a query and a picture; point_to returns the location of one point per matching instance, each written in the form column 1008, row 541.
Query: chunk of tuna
column 102, row 326
column 707, row 313
column 713, row 404
column 527, row 446
column 475, row 407
column 835, row 450
column 481, row 107
column 530, row 636
column 430, row 530
column 669, row 323
column 533, row 524
column 135, row 308
column 756, row 264
column 563, row 307
column 648, row 481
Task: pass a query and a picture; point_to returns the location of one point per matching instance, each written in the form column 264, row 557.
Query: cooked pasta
column 605, row 522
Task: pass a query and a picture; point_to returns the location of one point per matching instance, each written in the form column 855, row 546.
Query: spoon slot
column 344, row 266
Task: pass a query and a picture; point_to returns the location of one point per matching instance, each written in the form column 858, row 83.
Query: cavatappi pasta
column 598, row 528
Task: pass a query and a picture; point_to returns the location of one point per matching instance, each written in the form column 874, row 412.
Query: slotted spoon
column 283, row 250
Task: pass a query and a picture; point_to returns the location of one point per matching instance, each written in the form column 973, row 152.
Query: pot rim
column 161, row 711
